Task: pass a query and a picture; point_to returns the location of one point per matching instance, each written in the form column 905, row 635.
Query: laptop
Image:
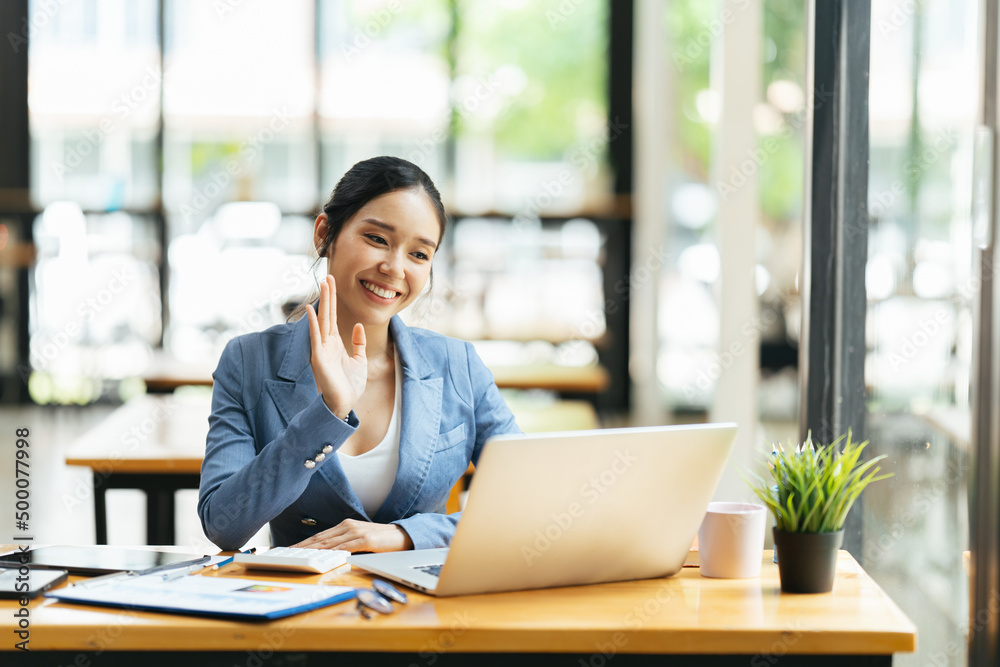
column 571, row 508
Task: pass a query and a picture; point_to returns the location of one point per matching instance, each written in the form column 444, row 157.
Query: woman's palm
column 340, row 377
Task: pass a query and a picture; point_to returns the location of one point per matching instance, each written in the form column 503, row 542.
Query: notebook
column 580, row 507
column 243, row 599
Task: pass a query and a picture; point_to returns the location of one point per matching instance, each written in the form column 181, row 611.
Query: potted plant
column 810, row 489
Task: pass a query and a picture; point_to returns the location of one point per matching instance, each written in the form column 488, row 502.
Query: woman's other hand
column 354, row 536
column 340, row 377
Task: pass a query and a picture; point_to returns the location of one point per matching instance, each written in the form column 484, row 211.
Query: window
column 263, row 109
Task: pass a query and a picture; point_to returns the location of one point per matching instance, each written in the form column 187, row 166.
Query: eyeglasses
column 377, row 598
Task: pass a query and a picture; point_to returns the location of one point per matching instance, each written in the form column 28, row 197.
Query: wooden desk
column 157, row 443
column 166, row 374
column 696, row 620
column 563, row 379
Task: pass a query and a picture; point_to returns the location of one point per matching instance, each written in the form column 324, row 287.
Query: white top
column 371, row 474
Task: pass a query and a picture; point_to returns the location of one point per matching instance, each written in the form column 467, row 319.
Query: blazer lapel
column 421, row 407
column 298, row 389
column 296, row 393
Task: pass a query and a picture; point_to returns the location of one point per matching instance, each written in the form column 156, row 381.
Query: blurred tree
column 547, row 63
column 692, row 27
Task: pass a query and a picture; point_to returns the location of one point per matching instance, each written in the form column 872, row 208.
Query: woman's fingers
column 358, row 342
column 326, row 318
column 314, row 542
column 324, row 539
column 315, row 338
column 313, row 324
column 352, row 535
column 340, row 376
column 324, row 310
column 331, row 316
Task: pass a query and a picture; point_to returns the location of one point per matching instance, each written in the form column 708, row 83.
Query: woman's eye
column 420, row 255
column 375, row 238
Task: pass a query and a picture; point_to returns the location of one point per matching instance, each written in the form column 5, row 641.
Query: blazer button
column 309, row 521
column 319, row 457
column 310, row 464
column 328, row 449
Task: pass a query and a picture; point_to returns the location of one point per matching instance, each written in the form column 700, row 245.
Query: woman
column 347, row 429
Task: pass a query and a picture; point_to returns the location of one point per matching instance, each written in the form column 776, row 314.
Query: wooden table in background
column 157, row 443
column 152, row 443
column 166, row 374
column 561, row 379
column 692, row 619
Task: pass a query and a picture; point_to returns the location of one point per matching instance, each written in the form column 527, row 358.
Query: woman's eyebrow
column 392, row 230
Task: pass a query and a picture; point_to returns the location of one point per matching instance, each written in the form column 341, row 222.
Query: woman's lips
column 379, row 291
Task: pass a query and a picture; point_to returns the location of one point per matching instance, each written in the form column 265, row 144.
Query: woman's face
column 381, row 259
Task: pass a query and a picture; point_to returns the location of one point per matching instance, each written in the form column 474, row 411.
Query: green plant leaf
column 816, row 485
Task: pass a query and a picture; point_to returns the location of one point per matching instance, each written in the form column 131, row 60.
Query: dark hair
column 365, row 181
column 368, row 180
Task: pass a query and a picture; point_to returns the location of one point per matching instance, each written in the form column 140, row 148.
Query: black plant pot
column 808, row 560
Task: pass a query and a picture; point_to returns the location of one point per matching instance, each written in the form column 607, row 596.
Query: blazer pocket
column 452, row 438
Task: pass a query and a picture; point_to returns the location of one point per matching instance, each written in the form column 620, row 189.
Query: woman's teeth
column 375, row 289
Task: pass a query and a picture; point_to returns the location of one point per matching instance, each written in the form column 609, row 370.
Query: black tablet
column 18, row 583
column 89, row 560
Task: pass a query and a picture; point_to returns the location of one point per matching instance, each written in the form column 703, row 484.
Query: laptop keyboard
column 433, row 570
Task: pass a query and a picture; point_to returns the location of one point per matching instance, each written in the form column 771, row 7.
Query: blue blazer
column 268, row 420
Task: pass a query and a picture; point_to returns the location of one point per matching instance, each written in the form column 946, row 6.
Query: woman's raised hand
column 340, row 377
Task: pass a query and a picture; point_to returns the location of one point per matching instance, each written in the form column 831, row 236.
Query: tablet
column 14, row 583
column 89, row 560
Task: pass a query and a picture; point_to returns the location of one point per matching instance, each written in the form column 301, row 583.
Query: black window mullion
column 15, row 174
column 614, row 355
column 832, row 355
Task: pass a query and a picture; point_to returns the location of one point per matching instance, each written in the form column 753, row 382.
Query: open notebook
column 243, row 599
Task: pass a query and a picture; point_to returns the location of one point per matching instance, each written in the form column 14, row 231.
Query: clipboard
column 221, row 597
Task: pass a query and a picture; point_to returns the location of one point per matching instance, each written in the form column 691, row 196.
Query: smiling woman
column 403, row 409
column 384, row 251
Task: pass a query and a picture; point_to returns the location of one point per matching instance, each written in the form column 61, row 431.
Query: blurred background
column 176, row 153
column 190, row 159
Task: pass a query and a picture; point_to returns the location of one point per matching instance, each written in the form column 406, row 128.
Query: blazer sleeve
column 492, row 417
column 243, row 489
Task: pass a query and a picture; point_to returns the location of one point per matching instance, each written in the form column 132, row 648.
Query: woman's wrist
column 407, row 542
column 339, row 411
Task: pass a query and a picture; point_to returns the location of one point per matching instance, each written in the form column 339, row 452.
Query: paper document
column 207, row 596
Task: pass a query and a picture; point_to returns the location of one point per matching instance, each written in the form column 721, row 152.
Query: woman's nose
column 392, row 265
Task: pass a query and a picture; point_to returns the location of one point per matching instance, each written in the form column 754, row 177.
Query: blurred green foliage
column 691, row 27
column 560, row 46
column 207, row 155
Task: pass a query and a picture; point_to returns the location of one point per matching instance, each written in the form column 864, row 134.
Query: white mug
column 731, row 540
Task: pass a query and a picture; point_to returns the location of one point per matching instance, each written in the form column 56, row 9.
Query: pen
column 170, row 567
column 180, row 572
column 222, row 563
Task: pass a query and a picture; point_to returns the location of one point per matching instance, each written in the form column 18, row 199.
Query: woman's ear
column 319, row 233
